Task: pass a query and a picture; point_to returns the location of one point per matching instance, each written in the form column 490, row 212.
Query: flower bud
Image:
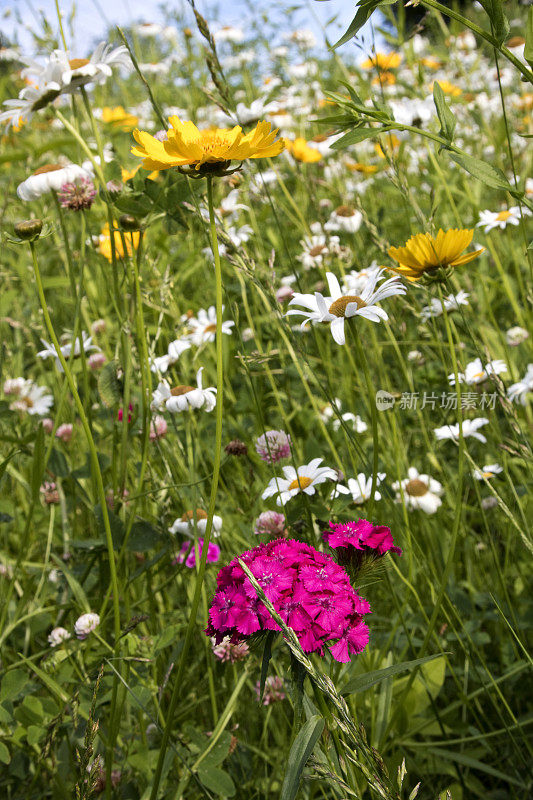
column 128, row 223
column 29, row 229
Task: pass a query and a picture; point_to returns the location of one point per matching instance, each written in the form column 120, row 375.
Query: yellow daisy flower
column 383, row 61
column 105, row 242
column 424, row 254
column 301, row 151
column 448, row 88
column 187, row 146
column 119, row 118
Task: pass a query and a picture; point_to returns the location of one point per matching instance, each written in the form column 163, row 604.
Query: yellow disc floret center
column 503, row 216
column 179, row 390
column 189, row 515
column 416, row 488
column 300, row 483
column 338, row 307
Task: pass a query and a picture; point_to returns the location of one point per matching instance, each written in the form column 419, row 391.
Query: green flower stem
column 178, row 680
column 374, row 416
column 93, row 455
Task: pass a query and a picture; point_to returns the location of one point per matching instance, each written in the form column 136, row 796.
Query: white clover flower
column 58, row 635
column 315, row 248
column 183, row 398
column 418, row 491
column 86, row 624
column 360, row 488
column 185, row 524
column 338, row 306
column 516, row 335
column 518, row 392
column 304, row 479
column 475, row 373
column 470, row 428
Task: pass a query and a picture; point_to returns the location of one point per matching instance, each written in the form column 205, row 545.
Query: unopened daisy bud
column 29, row 229
column 64, row 432
column 272, row 446
column 58, row 635
column 270, row 523
column 236, row 448
column 77, row 195
column 96, row 361
column 187, row 32
column 128, row 222
column 86, row 624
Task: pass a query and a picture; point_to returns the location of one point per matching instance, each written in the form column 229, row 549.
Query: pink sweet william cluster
column 355, row 541
column 310, row 592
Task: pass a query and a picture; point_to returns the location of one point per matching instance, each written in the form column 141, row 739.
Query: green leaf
column 528, row 47
column 58, row 464
column 109, row 384
column 74, row 585
column 363, row 682
column 486, row 173
column 365, row 10
column 474, row 763
column 444, row 113
column 143, row 537
column 267, row 653
column 5, row 758
column 13, row 683
column 115, row 523
column 500, row 23
column 301, row 749
column 356, row 135
column 216, row 780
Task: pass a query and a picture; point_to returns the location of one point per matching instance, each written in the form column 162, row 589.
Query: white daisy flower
column 355, row 281
column 28, row 397
column 295, row 481
column 97, row 68
column 86, row 624
column 183, row 398
column 58, row 635
column 470, row 428
column 489, row 220
column 360, row 488
column 49, row 178
column 316, row 248
column 185, row 523
column 338, row 307
column 175, row 349
column 50, row 351
column 451, row 303
column 419, row 491
column 352, row 420
column 229, row 205
column 229, row 33
column 45, row 87
column 344, row 218
column 475, row 373
column 204, row 326
column 517, row 393
column 487, row 472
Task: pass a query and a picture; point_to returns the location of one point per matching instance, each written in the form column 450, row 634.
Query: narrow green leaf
column 474, row 763
column 38, row 462
column 267, row 653
column 500, row 23
column 358, row 135
column 444, row 113
column 74, row 585
column 299, row 754
column 486, row 173
column 363, row 682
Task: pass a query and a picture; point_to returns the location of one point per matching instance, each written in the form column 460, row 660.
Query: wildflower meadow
column 266, row 402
